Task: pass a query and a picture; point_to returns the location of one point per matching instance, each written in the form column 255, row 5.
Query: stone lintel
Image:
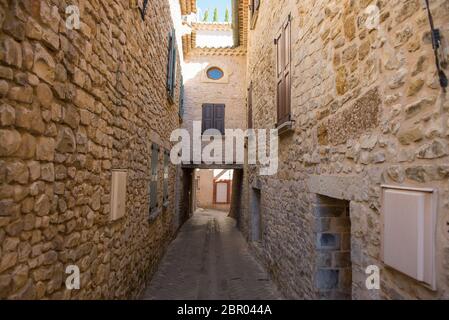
column 350, row 188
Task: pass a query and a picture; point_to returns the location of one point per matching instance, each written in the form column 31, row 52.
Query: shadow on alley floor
column 210, row 260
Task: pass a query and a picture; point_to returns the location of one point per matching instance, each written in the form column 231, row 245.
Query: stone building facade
column 201, row 90
column 367, row 111
column 230, row 90
column 76, row 104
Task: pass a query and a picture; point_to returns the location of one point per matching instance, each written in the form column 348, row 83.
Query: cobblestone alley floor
column 210, row 260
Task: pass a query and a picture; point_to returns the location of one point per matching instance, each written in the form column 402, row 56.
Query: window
column 166, row 168
column 171, row 67
column 250, row 106
column 181, row 100
column 213, row 117
column 215, row 73
column 254, row 7
column 283, row 59
column 154, row 178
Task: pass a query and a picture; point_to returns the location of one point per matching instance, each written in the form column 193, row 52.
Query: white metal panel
column 409, row 232
column 118, row 194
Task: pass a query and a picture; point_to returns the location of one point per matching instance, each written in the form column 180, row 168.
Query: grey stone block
column 322, row 224
column 328, row 241
column 324, row 259
column 345, row 280
column 342, row 259
column 327, row 279
column 329, row 211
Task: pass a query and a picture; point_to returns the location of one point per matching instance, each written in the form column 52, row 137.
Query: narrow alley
column 224, row 149
column 210, row 260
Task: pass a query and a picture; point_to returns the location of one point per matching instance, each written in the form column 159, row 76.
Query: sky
column 211, row 5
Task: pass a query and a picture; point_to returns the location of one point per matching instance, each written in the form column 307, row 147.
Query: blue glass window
column 215, row 73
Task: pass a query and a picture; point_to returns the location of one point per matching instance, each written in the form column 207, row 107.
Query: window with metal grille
column 181, row 100
column 166, row 175
column 154, row 178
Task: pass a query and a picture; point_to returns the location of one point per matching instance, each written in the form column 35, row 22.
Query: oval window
column 215, row 73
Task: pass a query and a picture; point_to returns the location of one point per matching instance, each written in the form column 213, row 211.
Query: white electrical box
column 408, row 232
column 118, row 194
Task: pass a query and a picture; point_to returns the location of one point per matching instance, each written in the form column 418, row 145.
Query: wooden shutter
column 208, row 117
column 213, row 117
column 154, row 177
column 250, row 106
column 166, row 168
column 283, row 72
column 219, row 118
column 169, row 62
column 172, row 65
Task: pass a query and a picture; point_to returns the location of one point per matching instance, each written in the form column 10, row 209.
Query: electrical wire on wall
column 436, row 43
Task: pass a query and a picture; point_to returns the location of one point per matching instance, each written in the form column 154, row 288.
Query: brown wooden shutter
column 213, row 117
column 250, row 106
column 287, row 69
column 283, row 71
column 208, row 117
column 219, row 117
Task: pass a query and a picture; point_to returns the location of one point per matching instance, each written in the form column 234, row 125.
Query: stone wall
column 230, row 91
column 368, row 110
column 76, row 104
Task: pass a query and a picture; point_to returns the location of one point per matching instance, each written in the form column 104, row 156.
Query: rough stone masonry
column 368, row 110
column 76, row 104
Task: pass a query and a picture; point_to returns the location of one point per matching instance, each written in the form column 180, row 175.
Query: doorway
column 333, row 242
column 213, row 189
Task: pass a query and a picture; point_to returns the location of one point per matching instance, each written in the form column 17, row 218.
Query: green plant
column 215, row 15
column 227, row 15
column 206, row 16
